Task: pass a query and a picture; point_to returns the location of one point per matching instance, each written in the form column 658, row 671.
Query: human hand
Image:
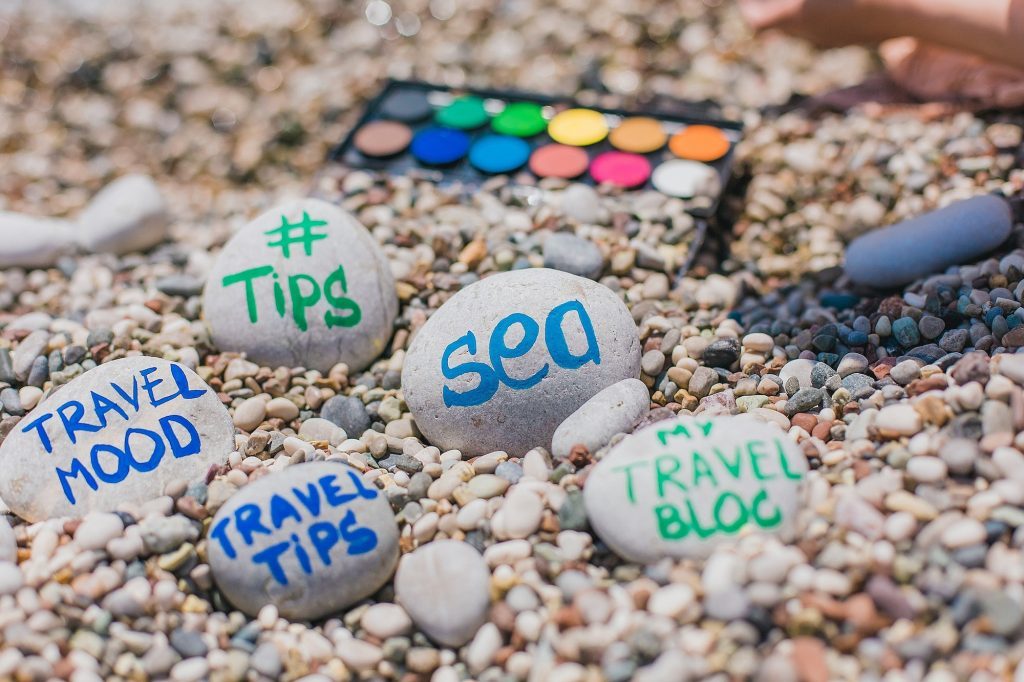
column 827, row 23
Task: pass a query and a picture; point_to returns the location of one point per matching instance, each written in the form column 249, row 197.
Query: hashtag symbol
column 296, row 233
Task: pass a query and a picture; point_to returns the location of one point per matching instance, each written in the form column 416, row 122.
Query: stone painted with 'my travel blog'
column 680, row 487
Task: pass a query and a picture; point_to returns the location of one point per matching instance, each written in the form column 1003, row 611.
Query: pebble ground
column 909, row 561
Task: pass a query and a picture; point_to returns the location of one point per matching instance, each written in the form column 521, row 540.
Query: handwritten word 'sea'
column 141, row 449
column 299, row 510
column 493, row 374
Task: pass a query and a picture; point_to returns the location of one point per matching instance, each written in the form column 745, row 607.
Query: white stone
column 520, row 515
column 799, row 368
column 31, row 242
column 680, row 487
column 385, row 620
column 898, row 420
column 445, row 587
column 558, row 340
column 127, row 215
column 8, row 542
column 314, row 303
column 616, row 409
column 133, row 426
column 963, row 533
column 97, row 529
column 310, row 539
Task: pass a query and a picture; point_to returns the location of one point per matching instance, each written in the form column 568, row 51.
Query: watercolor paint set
column 471, row 135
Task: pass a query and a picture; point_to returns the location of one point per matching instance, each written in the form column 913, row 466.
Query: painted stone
column 305, row 285
column 503, row 362
column 311, row 540
column 118, row 433
column 445, row 587
column 680, row 487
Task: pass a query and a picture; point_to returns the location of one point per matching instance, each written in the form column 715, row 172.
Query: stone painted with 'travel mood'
column 117, row 434
column 311, row 539
column 305, row 285
column 682, row 486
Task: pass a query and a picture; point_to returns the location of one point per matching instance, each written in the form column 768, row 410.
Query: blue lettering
column 132, row 400
column 302, row 555
column 498, row 350
column 37, row 424
column 324, row 537
column 247, row 521
column 74, row 422
column 102, row 404
column 154, row 459
column 281, row 509
column 269, row 556
column 177, row 449
column 149, row 384
column 310, row 499
column 77, row 469
column 118, row 474
column 181, row 381
column 488, row 385
column 360, row 540
column 220, row 533
column 558, row 346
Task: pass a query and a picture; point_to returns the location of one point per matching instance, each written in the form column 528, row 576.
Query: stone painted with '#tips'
column 503, row 362
column 117, row 434
column 311, row 540
column 305, row 285
column 680, row 487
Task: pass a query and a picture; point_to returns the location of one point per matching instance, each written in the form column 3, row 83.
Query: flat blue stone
column 957, row 234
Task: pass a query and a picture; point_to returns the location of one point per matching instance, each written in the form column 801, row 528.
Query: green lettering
column 756, row 454
column 351, row 314
column 628, row 468
column 664, row 474
column 701, row 531
column 780, row 448
column 681, row 430
column 302, row 301
column 741, row 516
column 278, row 297
column 765, row 522
column 670, row 523
column 701, row 469
column 732, row 467
column 248, row 276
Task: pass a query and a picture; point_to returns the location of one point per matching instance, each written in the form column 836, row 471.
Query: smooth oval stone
column 117, row 434
column 303, row 285
column 616, row 409
column 445, row 587
column 680, row 487
column 503, row 362
column 8, row 543
column 30, row 242
column 311, row 540
column 129, row 214
column 959, row 233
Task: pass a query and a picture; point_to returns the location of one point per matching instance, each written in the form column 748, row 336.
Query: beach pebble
column 566, row 252
column 97, row 529
column 348, row 412
column 385, row 620
column 616, row 409
column 957, row 233
column 445, row 587
column 302, row 285
column 117, row 434
column 311, row 540
column 8, row 543
column 800, row 369
column 680, row 487
column 30, row 242
column 506, row 360
column 127, row 215
column 582, row 203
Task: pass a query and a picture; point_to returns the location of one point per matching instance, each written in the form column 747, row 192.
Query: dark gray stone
column 348, row 412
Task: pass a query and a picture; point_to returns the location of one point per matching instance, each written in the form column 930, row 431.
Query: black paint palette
column 469, row 136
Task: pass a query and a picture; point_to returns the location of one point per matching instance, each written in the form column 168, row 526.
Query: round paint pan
column 621, row 169
column 578, row 127
column 559, row 161
column 686, row 179
column 407, row 106
column 464, row 113
column 496, row 154
column 439, row 146
column 639, row 135
column 378, row 139
column 699, row 143
column 520, row 119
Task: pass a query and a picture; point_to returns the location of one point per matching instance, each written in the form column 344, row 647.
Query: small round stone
column 348, row 412
column 445, row 587
column 302, row 285
column 616, row 409
column 311, row 540
column 680, row 487
column 566, row 252
column 503, row 362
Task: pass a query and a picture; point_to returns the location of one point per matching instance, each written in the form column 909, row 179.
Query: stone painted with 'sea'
column 311, row 540
column 117, row 434
column 305, row 285
column 680, row 487
column 503, row 362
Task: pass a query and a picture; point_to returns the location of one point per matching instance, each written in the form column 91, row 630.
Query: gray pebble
column 566, row 252
column 616, row 409
column 348, row 412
